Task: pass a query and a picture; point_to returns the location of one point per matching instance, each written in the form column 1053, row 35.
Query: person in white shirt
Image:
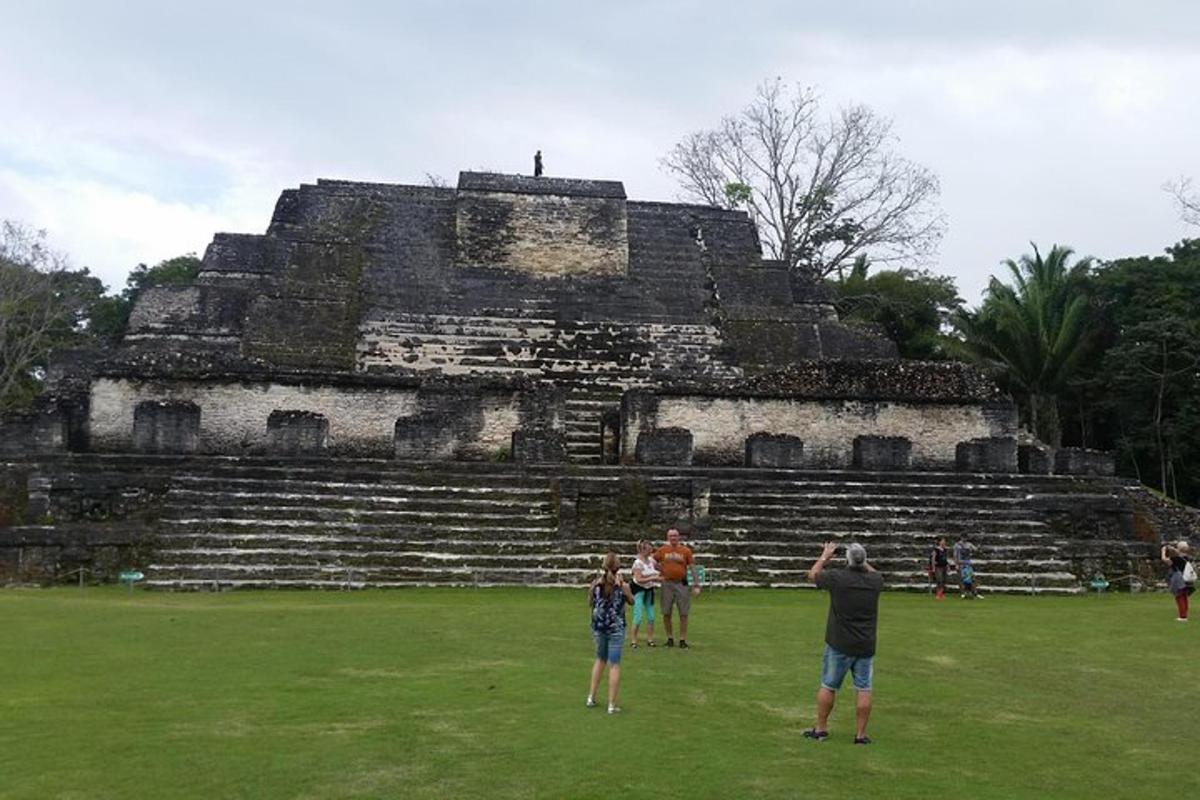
column 645, row 579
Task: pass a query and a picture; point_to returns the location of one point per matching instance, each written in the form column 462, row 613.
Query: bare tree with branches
column 32, row 308
column 1187, row 199
column 822, row 190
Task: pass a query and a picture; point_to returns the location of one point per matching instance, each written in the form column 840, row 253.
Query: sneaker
column 862, row 739
column 1181, row 619
column 633, row 645
column 591, row 702
column 683, row 645
column 670, row 642
column 614, row 709
column 816, row 735
column 651, row 643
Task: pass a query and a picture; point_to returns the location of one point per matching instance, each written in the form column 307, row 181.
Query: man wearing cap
column 674, row 561
column 849, row 634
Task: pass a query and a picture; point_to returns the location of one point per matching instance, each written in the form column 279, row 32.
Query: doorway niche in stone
column 297, row 433
column 166, row 426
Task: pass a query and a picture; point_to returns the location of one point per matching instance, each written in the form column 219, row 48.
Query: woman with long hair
column 645, row 578
column 607, row 595
column 1178, row 559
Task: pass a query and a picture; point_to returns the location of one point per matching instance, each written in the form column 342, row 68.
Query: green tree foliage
column 913, row 307
column 44, row 306
column 1143, row 396
column 1034, row 332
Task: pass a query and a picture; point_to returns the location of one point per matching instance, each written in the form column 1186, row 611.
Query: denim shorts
column 608, row 646
column 835, row 665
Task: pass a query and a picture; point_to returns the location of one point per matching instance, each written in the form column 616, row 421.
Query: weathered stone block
column 294, row 433
column 665, row 447
column 166, row 426
column 43, row 431
column 457, row 423
column 1033, row 459
column 539, row 446
column 991, row 454
column 548, row 228
column 1083, row 461
column 882, row 452
column 774, row 451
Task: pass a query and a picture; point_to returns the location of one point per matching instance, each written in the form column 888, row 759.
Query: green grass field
column 479, row 693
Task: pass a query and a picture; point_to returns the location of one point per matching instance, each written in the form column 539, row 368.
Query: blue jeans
column 608, row 645
column 835, row 665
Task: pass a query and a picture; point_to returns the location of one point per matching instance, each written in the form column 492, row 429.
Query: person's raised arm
column 626, row 590
column 819, row 564
column 1163, row 554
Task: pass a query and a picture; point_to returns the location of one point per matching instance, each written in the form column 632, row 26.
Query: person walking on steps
column 939, row 565
column 1181, row 580
column 646, row 579
column 607, row 595
column 675, row 561
column 849, row 635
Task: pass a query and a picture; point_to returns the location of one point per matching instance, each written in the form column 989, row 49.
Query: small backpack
column 1189, row 572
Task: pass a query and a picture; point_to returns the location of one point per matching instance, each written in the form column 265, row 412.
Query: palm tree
column 1035, row 331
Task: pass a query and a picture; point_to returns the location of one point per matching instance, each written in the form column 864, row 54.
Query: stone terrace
column 228, row 523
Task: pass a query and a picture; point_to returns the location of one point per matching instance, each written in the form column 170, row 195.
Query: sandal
column 813, row 733
column 633, row 645
column 651, row 643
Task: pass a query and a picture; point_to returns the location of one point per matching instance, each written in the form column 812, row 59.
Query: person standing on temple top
column 939, row 565
column 675, row 560
column 849, row 635
column 646, row 578
column 1181, row 580
column 963, row 561
column 537, row 164
column 607, row 596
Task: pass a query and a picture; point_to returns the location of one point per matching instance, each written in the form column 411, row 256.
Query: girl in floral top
column 607, row 595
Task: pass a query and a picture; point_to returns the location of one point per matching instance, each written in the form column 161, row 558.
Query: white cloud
column 110, row 229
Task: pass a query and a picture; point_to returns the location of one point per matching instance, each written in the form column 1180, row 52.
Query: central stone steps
column 335, row 523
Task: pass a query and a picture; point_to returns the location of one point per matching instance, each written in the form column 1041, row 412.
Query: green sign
column 131, row 576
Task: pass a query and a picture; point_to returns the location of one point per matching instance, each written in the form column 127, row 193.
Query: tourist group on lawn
column 850, row 627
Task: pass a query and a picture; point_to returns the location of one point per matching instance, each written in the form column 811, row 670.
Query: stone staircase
column 355, row 525
column 583, row 413
column 768, row 531
column 232, row 523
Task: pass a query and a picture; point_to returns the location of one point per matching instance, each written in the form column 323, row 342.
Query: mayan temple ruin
column 496, row 382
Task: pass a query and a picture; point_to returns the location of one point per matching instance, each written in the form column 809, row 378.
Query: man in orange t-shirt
column 674, row 561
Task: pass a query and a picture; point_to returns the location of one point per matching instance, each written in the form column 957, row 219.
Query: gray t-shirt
column 853, row 609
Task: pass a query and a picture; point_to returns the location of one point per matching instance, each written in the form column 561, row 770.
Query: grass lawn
column 479, row 693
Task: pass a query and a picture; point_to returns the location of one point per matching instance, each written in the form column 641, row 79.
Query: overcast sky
column 132, row 131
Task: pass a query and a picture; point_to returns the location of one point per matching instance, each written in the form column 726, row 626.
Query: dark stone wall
column 993, row 454
column 292, row 433
column 446, row 420
column 166, row 426
column 909, row 381
column 774, row 451
column 1033, row 459
column 1082, row 461
column 665, row 447
column 72, row 554
column 539, row 446
column 37, row 431
column 882, row 452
